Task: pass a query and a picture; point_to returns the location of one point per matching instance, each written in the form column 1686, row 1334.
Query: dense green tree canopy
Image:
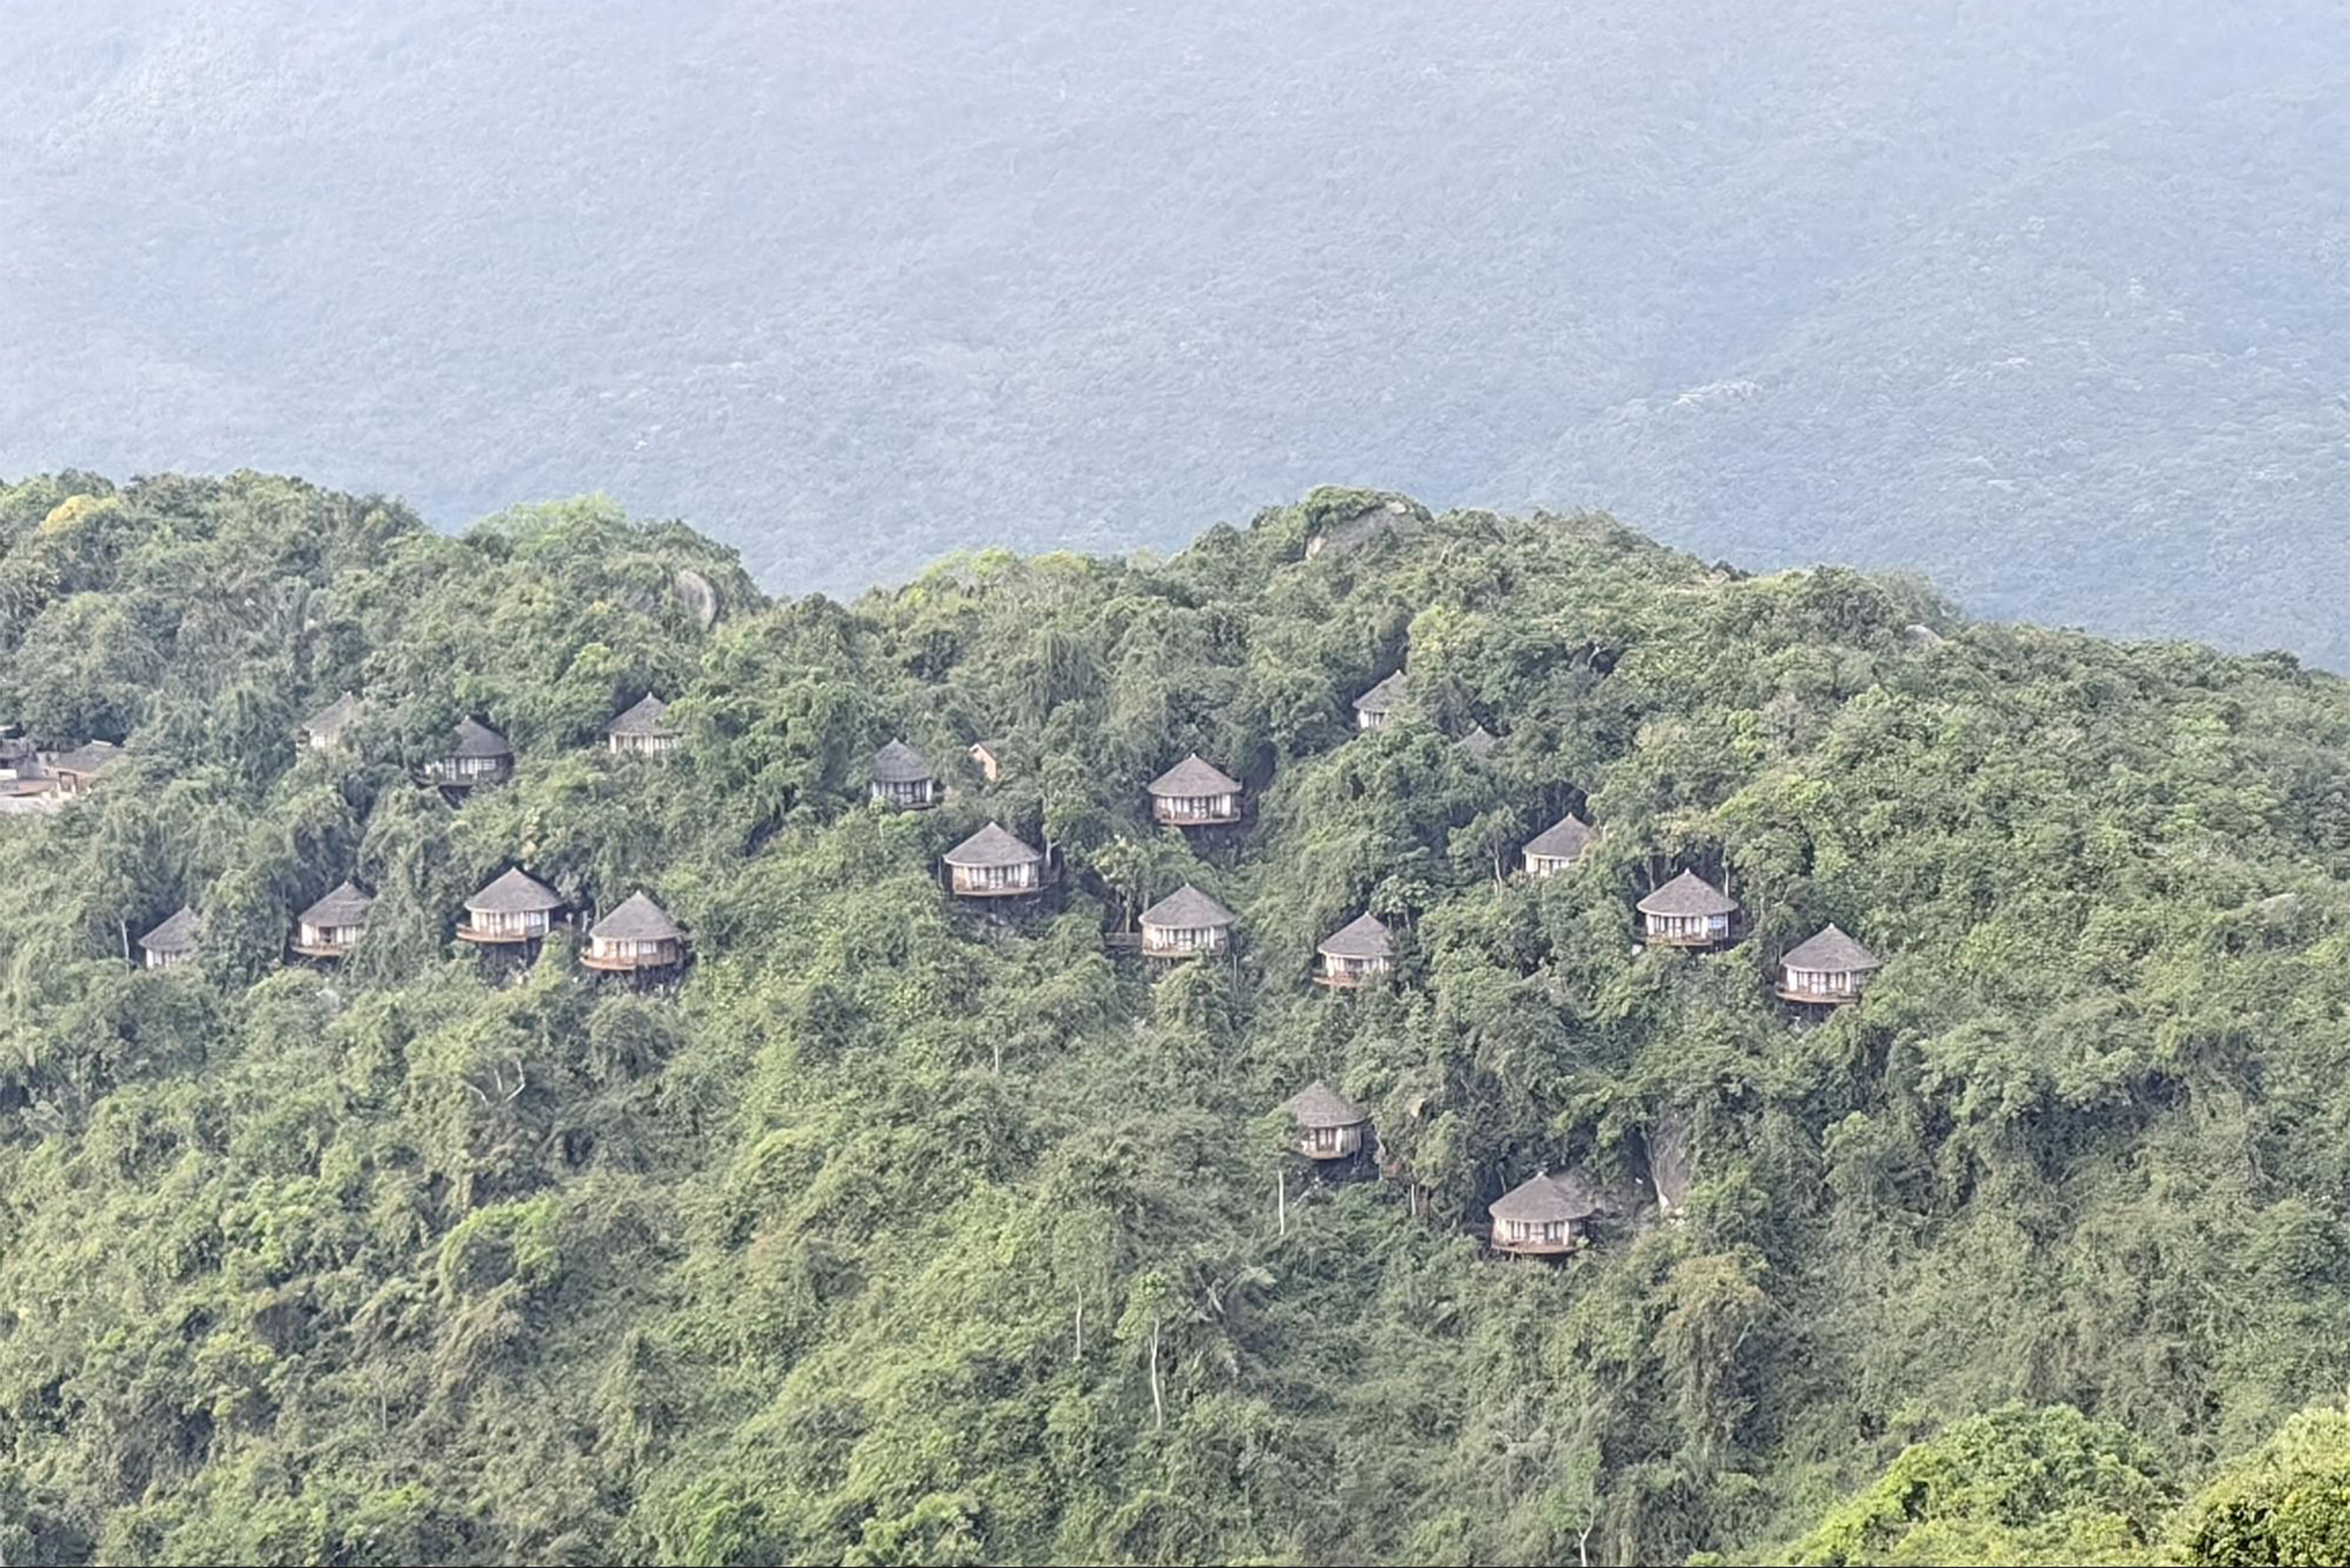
column 2015, row 1486
column 897, row 1232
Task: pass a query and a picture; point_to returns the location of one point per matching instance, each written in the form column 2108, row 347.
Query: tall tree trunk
column 1159, row 1409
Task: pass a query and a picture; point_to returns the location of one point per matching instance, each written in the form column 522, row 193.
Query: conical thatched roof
column 346, row 905
column 178, row 934
column 1832, row 952
column 474, row 739
column 1365, row 937
column 1478, row 742
column 898, row 763
column 644, row 719
column 1383, row 697
column 1193, row 779
column 1318, row 1104
column 1688, row 894
column 1565, row 839
column 1187, row 909
column 991, row 846
column 638, row 918
column 515, row 892
column 333, row 718
column 1547, row 1199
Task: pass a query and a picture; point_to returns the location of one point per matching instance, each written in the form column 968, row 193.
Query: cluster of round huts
column 1548, row 1214
column 1551, row 1213
column 515, row 911
column 994, row 864
column 476, row 754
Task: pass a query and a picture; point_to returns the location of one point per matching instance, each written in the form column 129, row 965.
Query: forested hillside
column 906, row 1230
column 2045, row 299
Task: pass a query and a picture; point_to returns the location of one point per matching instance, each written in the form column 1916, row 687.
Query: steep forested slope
column 2043, row 298
column 859, row 1245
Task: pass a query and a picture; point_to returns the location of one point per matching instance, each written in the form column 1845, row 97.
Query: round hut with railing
column 1196, row 794
column 172, row 943
column 1374, row 708
column 1827, row 971
column 1687, row 912
column 644, row 731
column 516, row 911
column 1559, row 847
column 332, row 926
column 1185, row 923
column 1545, row 1218
column 902, row 778
column 474, row 755
column 1329, row 1125
column 1360, row 951
column 326, row 728
column 992, row 864
column 637, row 938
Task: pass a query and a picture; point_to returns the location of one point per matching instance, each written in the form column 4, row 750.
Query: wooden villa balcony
column 668, row 956
column 998, row 890
column 324, row 946
column 1174, row 952
column 451, row 777
column 922, row 794
column 1347, row 980
column 967, row 882
column 1538, row 1247
column 1808, row 996
column 503, row 936
column 1694, row 937
column 1345, row 1146
column 1215, row 812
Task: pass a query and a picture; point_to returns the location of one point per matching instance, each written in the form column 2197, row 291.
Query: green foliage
column 901, row 1231
column 2015, row 1486
column 2288, row 1504
column 2052, row 1486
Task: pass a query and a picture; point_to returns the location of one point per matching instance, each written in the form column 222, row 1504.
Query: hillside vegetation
column 899, row 1232
column 2045, row 299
